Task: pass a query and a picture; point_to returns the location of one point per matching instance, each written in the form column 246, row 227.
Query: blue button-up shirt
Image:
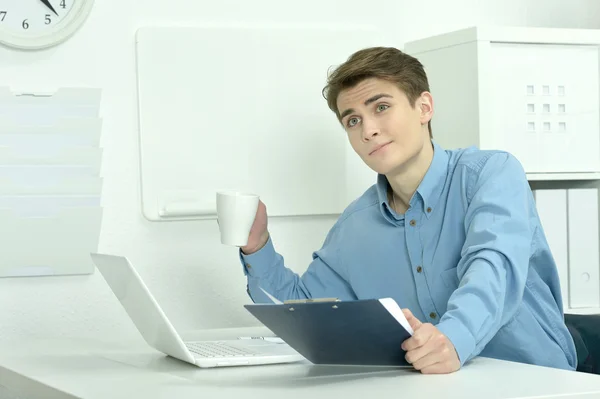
column 469, row 256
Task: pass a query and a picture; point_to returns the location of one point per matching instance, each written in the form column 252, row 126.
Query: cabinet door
column 544, row 105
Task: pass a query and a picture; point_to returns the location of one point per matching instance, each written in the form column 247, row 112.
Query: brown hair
column 386, row 63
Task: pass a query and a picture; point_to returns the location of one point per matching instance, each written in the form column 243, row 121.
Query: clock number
column 62, row 4
column 48, row 20
column 25, row 24
column 2, row 15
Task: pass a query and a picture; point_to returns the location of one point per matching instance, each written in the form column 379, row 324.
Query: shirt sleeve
column 266, row 269
column 495, row 257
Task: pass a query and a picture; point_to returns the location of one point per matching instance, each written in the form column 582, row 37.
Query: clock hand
column 47, row 4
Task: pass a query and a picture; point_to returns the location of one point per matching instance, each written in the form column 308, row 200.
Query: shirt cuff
column 257, row 263
column 461, row 338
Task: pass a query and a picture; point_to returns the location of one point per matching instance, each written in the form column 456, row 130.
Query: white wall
column 199, row 285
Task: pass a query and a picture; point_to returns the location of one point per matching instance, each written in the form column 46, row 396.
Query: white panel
column 545, row 102
column 584, row 258
column 250, row 118
column 552, row 209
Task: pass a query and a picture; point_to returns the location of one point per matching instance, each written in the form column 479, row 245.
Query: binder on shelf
column 584, row 252
column 58, row 244
column 361, row 332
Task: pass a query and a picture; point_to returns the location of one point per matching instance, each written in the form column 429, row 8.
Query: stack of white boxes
column 534, row 92
column 50, row 184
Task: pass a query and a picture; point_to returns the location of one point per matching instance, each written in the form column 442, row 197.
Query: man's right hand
column 259, row 235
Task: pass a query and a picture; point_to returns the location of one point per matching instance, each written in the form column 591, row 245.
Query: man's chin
column 384, row 169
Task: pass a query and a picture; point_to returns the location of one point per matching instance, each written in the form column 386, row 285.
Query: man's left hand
column 428, row 350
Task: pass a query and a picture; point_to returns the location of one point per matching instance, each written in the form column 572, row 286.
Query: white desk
column 60, row 368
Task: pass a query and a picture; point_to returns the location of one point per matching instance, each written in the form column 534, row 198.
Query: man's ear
column 425, row 102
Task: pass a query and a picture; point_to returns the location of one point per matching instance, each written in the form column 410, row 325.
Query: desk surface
column 61, row 368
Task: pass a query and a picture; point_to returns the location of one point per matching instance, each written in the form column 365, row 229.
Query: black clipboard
column 361, row 332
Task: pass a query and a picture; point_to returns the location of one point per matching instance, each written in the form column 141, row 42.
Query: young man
column 452, row 235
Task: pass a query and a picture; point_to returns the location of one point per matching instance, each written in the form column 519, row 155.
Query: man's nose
column 370, row 130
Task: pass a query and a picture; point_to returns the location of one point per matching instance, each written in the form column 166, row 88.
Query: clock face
column 31, row 17
column 32, row 24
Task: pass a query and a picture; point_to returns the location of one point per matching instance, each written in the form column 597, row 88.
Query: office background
column 198, row 282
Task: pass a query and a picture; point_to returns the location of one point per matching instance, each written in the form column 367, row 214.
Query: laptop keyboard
column 217, row 349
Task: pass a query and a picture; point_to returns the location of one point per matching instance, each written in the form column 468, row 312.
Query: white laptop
column 159, row 333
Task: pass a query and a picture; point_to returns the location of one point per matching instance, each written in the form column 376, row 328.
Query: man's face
column 383, row 128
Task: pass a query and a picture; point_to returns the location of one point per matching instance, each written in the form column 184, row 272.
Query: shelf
column 563, row 176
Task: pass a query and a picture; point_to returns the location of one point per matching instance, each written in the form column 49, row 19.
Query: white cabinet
column 531, row 91
column 535, row 93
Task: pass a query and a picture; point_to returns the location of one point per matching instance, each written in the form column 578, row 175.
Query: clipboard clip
column 311, row 300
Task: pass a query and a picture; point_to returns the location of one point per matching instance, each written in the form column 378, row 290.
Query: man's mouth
column 379, row 147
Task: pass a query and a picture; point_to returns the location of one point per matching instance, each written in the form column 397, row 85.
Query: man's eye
column 382, row 107
column 352, row 121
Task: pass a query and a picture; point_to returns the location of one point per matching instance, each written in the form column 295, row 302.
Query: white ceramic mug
column 236, row 212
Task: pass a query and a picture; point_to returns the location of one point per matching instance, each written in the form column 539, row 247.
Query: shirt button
column 428, row 209
column 419, row 269
column 413, row 222
column 248, row 266
column 432, row 315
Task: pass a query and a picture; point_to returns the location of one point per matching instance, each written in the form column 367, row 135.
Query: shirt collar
column 430, row 188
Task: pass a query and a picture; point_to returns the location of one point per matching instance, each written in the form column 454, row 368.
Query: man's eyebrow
column 346, row 113
column 367, row 102
column 376, row 97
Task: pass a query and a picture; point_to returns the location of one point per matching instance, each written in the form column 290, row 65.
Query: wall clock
column 37, row 24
